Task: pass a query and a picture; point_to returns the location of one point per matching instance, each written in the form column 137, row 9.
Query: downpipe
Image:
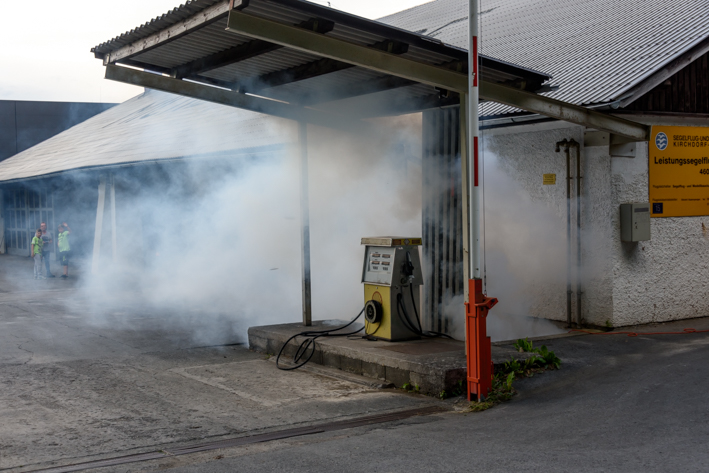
column 574, row 144
column 564, row 145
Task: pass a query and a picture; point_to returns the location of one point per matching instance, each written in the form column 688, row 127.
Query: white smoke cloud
column 524, row 239
column 213, row 244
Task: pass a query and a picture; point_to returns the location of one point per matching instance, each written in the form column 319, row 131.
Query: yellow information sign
column 549, row 179
column 679, row 171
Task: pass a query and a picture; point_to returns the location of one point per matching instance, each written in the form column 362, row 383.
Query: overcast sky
column 44, row 47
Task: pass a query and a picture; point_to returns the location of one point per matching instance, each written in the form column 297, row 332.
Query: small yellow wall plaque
column 549, row 179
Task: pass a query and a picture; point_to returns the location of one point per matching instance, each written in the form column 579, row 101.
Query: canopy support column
column 99, row 224
column 2, row 223
column 305, row 222
column 114, row 242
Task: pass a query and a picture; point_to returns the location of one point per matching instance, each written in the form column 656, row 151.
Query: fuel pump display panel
column 379, row 265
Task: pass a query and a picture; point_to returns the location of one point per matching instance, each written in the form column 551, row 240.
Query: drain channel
column 260, row 438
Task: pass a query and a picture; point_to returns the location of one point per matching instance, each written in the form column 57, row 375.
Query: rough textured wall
column 667, row 277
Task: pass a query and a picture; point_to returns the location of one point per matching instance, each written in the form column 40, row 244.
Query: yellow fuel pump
column 392, row 278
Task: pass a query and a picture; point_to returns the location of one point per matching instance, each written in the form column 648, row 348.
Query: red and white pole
column 473, row 126
column 477, row 343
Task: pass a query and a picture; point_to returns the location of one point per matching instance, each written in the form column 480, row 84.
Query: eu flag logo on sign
column 657, row 208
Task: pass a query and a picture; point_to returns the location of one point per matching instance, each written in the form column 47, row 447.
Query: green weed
column 502, row 383
column 547, row 358
column 524, row 345
column 502, row 390
column 513, row 366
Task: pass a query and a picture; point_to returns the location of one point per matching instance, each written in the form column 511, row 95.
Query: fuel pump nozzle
column 408, row 270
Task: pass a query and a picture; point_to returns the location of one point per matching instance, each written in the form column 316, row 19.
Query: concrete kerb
column 432, row 371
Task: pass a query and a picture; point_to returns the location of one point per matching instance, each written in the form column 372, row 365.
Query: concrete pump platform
column 434, row 364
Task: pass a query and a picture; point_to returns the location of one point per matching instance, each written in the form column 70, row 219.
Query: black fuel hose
column 401, row 308
column 311, row 336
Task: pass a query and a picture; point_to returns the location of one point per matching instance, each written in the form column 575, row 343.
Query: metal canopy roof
column 192, row 43
column 314, row 64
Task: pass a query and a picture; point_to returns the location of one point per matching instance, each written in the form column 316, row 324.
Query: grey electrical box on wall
column 634, row 222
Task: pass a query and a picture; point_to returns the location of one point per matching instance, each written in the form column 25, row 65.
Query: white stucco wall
column 666, row 278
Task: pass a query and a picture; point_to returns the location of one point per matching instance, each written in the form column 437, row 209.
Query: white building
column 644, row 61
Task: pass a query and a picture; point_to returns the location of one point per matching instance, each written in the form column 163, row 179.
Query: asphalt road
column 76, row 390
column 618, row 404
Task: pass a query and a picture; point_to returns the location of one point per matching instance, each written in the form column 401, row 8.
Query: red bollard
column 477, row 343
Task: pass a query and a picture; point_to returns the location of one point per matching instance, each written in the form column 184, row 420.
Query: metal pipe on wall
column 564, row 144
column 574, row 144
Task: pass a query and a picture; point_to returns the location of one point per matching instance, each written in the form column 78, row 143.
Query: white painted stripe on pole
column 473, row 125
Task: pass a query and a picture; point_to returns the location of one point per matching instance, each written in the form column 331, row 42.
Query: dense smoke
column 523, row 242
column 525, row 264
column 212, row 244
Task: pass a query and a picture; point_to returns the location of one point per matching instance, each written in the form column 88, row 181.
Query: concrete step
column 434, row 364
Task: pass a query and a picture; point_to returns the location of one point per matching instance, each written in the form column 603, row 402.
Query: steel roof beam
column 232, row 99
column 294, row 74
column 407, row 106
column 314, row 69
column 225, row 58
column 563, row 111
column 387, row 63
column 344, row 51
column 243, row 51
column 321, row 96
column 362, row 88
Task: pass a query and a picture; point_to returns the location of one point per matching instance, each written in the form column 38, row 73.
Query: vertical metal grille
column 442, row 217
column 25, row 210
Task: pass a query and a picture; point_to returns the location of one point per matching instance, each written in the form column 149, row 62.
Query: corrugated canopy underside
column 204, row 51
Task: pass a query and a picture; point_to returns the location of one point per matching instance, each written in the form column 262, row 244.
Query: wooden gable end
column 685, row 92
